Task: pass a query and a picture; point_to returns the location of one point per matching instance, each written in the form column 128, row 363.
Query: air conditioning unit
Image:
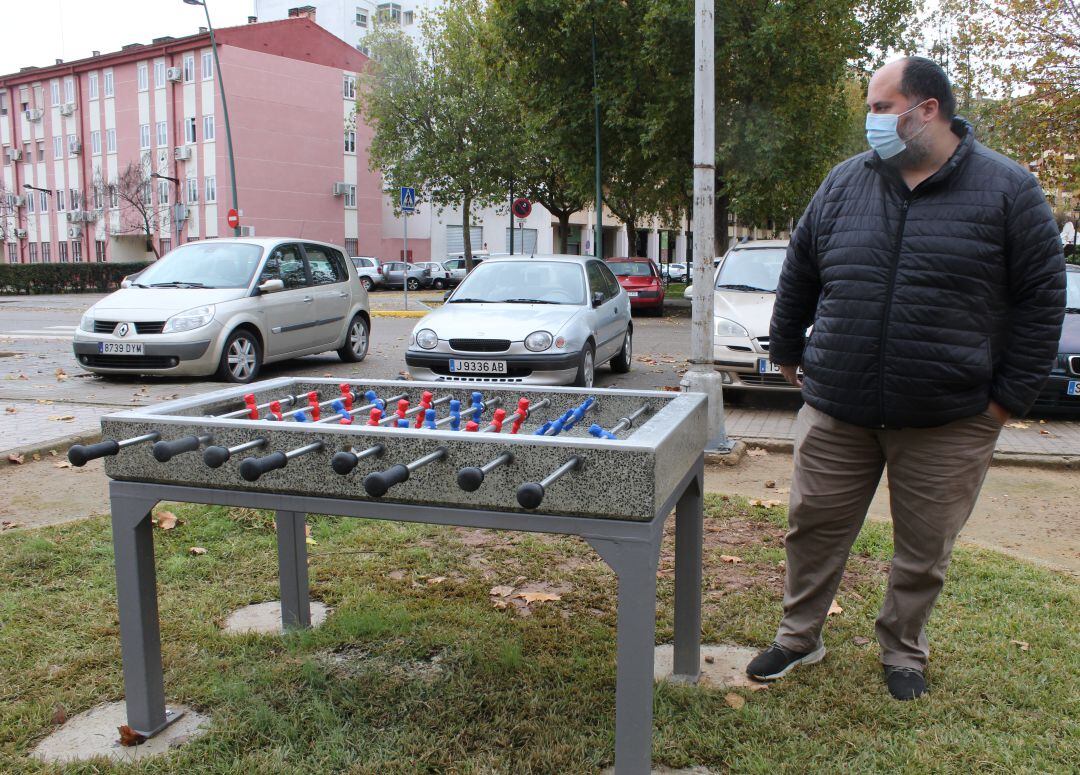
column 19, row 201
column 174, row 74
column 71, row 217
column 75, row 147
column 20, row 233
column 32, row 114
column 74, row 232
column 341, row 189
column 247, row 231
column 14, row 154
column 182, row 153
column 67, row 108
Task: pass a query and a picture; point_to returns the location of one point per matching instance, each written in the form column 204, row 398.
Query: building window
column 69, row 90
column 192, row 190
column 41, row 150
column 110, row 140
column 407, row 18
column 114, row 198
column 208, row 128
column 75, row 199
column 76, row 251
column 211, row 189
column 207, row 65
column 58, row 147
column 350, row 141
column 30, row 203
column 144, row 136
column 3, row 103
column 189, row 130
column 349, row 87
column 350, row 197
column 361, row 18
column 166, row 245
column 27, row 156
column 108, row 83
column 389, row 12
column 60, row 207
column 63, row 250
column 92, row 86
column 162, row 134
column 163, row 192
column 54, row 91
column 73, row 141
column 95, row 142
column 159, row 75
column 46, row 253
column 13, row 252
column 43, row 200
column 147, row 193
column 363, row 49
column 32, row 247
column 99, row 251
column 352, row 246
column 143, row 76
column 189, row 69
column 97, row 197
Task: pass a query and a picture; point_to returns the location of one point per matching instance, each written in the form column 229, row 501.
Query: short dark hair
column 924, row 79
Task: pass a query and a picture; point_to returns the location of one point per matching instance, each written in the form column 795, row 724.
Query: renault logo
column 122, row 329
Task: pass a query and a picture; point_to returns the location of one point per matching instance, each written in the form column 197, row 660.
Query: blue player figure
column 455, row 415
column 478, row 405
column 429, row 419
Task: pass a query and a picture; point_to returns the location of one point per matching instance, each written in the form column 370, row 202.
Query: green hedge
column 64, row 278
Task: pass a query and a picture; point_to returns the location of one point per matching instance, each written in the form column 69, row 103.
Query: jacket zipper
column 888, row 305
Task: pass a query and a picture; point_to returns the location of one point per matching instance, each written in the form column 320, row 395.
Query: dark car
column 642, row 283
column 1061, row 393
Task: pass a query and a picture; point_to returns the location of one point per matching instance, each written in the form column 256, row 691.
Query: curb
column 43, row 448
column 397, row 313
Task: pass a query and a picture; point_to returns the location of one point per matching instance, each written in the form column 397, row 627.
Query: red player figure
column 519, row 417
column 249, row 402
column 275, row 409
column 313, row 402
column 425, row 404
column 472, row 426
column 376, row 415
column 497, row 419
column 402, row 408
column 346, row 395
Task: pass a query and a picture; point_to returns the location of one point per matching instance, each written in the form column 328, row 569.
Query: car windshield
column 751, row 269
column 203, row 265
column 523, row 282
column 1072, row 291
column 630, row 268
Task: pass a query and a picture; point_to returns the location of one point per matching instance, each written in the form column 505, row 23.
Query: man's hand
column 1000, row 413
column 791, row 374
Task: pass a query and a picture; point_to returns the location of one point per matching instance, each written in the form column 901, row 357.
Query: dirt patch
column 354, row 660
column 39, row 493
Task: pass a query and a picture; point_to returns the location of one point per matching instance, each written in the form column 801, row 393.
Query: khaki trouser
column 934, row 479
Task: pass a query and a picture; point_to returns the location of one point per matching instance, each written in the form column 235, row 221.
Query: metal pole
column 225, row 110
column 599, row 235
column 702, row 377
column 405, row 258
column 511, row 216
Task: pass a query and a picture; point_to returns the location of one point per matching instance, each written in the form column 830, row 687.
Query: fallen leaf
column 62, row 464
column 129, row 737
column 166, row 520
column 770, row 484
column 1018, row 425
column 1045, row 432
column 59, row 714
column 61, row 375
column 1023, row 645
column 307, row 536
column 502, row 591
column 37, row 456
column 767, row 504
column 16, row 459
column 62, row 417
column 734, row 700
column 730, row 558
column 45, row 401
column 537, row 597
column 435, row 580
column 196, row 551
column 757, row 687
column 9, row 525
column 834, row 608
column 10, row 410
column 396, row 575
column 709, row 660
column 859, row 640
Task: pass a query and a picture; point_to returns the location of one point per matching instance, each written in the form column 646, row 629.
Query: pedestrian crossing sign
column 408, row 199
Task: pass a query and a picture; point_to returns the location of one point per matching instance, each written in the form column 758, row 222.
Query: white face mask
column 882, row 134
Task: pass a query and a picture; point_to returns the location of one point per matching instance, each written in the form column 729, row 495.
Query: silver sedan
column 546, row 320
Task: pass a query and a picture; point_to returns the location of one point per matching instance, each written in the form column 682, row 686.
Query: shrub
column 65, row 278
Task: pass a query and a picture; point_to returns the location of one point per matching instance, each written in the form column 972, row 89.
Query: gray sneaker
column 776, row 661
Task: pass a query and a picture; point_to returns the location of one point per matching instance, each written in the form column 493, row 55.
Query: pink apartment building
column 69, row 131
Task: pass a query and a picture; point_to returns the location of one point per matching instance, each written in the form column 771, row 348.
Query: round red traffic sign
column 234, row 219
column 522, row 207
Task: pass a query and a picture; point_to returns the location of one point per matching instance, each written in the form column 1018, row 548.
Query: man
column 931, row 270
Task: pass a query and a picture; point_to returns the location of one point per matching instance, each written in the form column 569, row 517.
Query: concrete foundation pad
column 265, row 618
column 727, row 667
column 93, row 733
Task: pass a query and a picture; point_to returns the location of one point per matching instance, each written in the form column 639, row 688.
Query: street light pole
column 177, row 223
column 224, row 106
column 599, row 234
column 702, row 376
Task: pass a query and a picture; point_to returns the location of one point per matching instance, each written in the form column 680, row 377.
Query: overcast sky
column 41, row 31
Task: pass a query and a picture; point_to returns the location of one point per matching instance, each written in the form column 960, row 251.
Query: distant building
column 68, row 132
column 352, row 20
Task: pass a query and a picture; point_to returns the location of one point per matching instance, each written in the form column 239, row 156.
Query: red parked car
column 642, row 282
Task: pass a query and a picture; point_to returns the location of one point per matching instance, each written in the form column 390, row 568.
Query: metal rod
column 286, row 401
column 313, row 447
column 151, row 436
column 627, row 422
column 253, row 444
column 573, row 464
column 518, row 415
column 431, row 457
column 414, row 410
column 496, row 401
column 359, row 409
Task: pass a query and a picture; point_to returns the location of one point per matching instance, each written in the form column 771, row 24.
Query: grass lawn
column 416, row 671
column 675, row 290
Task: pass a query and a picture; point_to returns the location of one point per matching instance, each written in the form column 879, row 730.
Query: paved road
column 45, row 395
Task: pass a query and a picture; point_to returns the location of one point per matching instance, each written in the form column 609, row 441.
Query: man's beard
column 914, row 155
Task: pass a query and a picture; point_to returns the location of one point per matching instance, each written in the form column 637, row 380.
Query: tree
column 441, row 120
column 140, row 210
column 1015, row 67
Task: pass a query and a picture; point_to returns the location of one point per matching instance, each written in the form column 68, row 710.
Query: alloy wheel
column 242, row 358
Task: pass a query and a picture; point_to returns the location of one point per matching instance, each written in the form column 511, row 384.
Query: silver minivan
column 226, row 307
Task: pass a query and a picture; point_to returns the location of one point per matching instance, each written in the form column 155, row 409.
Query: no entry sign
column 233, row 219
column 522, row 207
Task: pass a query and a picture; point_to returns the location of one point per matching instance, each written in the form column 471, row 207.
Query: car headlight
column 427, row 338
column 87, row 323
column 189, row 319
column 725, row 327
column 538, row 341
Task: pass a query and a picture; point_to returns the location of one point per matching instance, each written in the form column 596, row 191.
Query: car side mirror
column 597, row 298
column 272, row 286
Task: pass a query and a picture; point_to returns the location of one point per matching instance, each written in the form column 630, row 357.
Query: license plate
column 120, row 348
column 478, row 367
column 632, row 294
column 765, row 366
column 1074, row 388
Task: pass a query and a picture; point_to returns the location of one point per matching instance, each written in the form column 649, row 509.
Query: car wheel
column 414, row 284
column 241, row 358
column 439, row 285
column 356, row 341
column 366, row 283
column 586, row 367
column 620, row 364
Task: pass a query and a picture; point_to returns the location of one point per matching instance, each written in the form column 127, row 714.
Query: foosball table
column 606, row 465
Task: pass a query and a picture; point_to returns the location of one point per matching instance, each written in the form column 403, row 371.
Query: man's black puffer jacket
column 927, row 303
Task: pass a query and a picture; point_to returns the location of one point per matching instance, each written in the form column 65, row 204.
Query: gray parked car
column 544, row 320
column 227, row 306
column 367, row 267
column 393, row 273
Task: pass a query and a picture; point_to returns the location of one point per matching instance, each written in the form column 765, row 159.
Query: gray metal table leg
column 292, row 569
column 635, row 564
column 136, row 593
column 688, row 539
